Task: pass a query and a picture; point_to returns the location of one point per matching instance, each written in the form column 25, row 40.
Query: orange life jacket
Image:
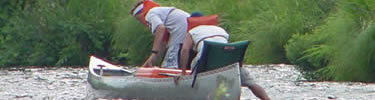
column 203, row 20
column 147, row 6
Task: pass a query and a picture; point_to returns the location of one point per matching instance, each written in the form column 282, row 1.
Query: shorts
column 171, row 58
column 246, row 79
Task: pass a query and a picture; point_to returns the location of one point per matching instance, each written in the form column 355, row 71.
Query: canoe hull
column 222, row 84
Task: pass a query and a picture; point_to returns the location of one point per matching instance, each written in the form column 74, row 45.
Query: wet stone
column 33, row 70
column 3, row 73
column 331, row 97
column 69, row 76
column 75, row 72
column 23, row 96
column 40, row 78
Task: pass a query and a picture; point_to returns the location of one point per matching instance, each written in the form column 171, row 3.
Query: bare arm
column 158, row 45
column 185, row 52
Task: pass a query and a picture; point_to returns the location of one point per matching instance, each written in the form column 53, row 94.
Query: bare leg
column 258, row 91
column 248, row 81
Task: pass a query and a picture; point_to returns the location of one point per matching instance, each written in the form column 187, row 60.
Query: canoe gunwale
column 186, row 77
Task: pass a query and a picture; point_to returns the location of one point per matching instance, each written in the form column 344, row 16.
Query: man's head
column 141, row 9
column 137, row 12
column 137, row 8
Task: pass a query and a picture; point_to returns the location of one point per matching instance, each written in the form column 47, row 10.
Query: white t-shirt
column 157, row 16
column 203, row 31
column 173, row 19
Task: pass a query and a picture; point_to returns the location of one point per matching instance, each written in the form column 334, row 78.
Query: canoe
column 109, row 81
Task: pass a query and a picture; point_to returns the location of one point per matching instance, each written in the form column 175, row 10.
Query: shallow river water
column 281, row 82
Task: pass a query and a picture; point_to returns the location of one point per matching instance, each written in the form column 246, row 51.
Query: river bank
column 281, row 82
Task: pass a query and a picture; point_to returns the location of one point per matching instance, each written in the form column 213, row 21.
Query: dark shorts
column 246, row 79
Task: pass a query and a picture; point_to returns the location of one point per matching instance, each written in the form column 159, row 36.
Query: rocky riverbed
column 281, row 82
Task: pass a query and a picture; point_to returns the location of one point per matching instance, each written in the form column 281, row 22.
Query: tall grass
column 353, row 60
column 271, row 28
column 342, row 48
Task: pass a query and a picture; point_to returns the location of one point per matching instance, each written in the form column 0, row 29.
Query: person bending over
column 194, row 40
column 168, row 26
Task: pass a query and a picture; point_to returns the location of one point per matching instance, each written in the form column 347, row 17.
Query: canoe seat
column 216, row 55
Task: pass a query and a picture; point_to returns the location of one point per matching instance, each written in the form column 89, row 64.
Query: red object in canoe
column 157, row 72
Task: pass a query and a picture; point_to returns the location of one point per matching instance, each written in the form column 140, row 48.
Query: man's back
column 202, row 32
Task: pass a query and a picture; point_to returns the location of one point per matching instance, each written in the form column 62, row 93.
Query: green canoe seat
column 216, row 55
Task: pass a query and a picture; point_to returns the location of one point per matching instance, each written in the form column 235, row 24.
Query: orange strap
column 196, row 45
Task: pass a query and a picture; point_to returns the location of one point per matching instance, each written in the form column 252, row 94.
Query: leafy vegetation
column 57, row 32
column 326, row 39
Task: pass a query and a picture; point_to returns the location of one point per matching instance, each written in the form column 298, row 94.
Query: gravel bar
column 281, row 82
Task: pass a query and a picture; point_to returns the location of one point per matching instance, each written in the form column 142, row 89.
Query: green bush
column 273, row 26
column 47, row 33
column 308, row 52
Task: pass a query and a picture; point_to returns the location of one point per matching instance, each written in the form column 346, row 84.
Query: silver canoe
column 218, row 84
